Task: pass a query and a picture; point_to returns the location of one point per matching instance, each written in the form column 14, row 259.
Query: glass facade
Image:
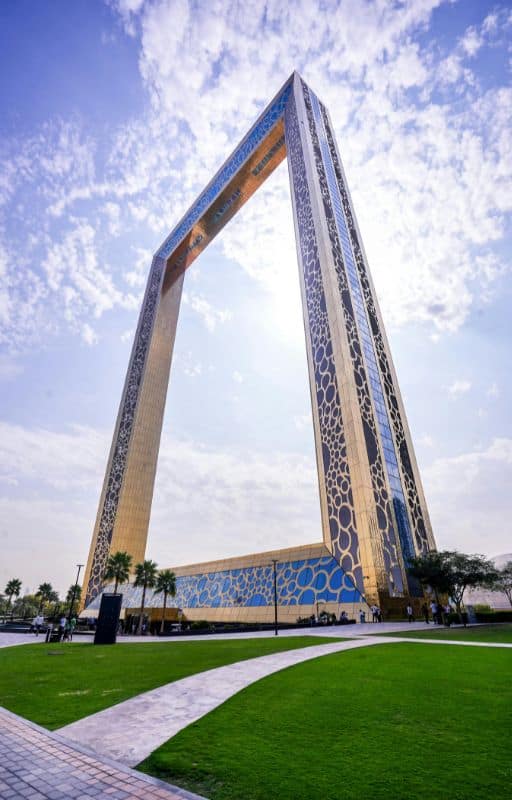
column 366, row 340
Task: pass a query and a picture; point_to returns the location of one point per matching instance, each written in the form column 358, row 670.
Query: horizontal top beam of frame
column 250, row 164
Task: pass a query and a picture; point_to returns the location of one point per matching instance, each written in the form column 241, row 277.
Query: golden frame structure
column 373, row 509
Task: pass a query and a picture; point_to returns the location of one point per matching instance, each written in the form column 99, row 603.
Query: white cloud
column 188, row 364
column 471, row 42
column 493, row 391
column 303, row 421
column 210, row 315
column 65, row 460
column 238, row 377
column 459, row 387
column 127, row 336
column 241, row 500
column 89, row 335
column 418, row 172
column 426, row 147
column 459, row 488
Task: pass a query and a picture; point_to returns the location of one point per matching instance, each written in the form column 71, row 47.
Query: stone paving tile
column 38, row 765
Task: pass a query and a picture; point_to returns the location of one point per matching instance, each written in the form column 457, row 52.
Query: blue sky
column 115, row 115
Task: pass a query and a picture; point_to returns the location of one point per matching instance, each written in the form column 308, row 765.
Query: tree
column 503, row 581
column 473, row 570
column 166, row 583
column 46, row 594
column 26, row 606
column 451, row 572
column 118, row 568
column 74, row 594
column 12, row 589
column 145, row 576
column 431, row 570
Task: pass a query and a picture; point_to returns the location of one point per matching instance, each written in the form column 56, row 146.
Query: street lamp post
column 274, row 562
column 75, row 587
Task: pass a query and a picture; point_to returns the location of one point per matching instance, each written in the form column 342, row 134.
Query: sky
column 114, row 116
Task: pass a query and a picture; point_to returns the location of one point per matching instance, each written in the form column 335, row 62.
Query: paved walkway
column 462, row 642
column 38, row 765
column 335, row 631
column 10, row 639
column 161, row 713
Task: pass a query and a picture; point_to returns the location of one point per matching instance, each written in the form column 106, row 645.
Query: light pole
column 75, row 587
column 275, row 562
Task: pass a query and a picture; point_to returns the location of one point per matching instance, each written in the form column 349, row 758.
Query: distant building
column 483, row 597
column 374, row 515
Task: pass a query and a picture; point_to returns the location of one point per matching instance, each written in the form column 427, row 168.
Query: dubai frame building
column 373, row 510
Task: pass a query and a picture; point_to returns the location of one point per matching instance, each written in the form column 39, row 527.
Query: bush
column 199, row 625
column 494, row 616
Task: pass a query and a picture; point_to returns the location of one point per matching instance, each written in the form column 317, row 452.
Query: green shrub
column 494, row 616
column 199, row 625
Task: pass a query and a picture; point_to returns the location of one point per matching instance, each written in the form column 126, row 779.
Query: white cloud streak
column 458, row 388
column 426, row 146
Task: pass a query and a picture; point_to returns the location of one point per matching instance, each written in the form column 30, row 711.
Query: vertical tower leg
column 125, row 504
column 357, row 516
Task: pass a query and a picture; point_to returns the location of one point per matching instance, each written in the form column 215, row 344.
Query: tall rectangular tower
column 374, row 515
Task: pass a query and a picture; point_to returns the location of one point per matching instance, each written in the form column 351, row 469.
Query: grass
column 56, row 684
column 400, row 721
column 500, row 633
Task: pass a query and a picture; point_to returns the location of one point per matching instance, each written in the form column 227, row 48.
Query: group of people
column 65, row 628
column 439, row 612
column 374, row 611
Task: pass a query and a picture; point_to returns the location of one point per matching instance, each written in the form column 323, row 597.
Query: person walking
column 410, row 613
column 424, row 611
column 362, row 616
column 433, row 608
column 37, row 624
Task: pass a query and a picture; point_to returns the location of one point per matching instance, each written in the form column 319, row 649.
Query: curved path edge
column 130, row 731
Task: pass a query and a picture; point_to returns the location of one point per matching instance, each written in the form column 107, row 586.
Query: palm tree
column 145, row 575
column 166, row 583
column 73, row 596
column 118, row 568
column 12, row 589
column 46, row 594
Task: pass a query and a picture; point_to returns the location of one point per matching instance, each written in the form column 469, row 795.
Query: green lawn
column 501, row 633
column 401, row 721
column 56, row 684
